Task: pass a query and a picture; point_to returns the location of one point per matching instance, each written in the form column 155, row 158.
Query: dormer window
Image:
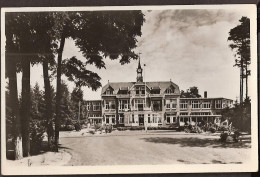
column 140, row 90
column 109, row 92
column 169, row 91
column 155, row 90
column 123, row 91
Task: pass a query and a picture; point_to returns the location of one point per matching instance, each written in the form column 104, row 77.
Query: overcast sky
column 189, row 47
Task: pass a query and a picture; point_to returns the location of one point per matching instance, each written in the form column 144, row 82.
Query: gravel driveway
column 154, row 147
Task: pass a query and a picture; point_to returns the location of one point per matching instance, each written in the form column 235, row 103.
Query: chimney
column 205, row 94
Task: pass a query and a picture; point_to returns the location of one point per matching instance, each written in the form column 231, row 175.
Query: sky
column 189, row 47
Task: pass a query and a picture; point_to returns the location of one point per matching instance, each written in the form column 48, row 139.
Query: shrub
column 152, row 128
column 223, row 128
column 108, row 128
column 98, row 127
column 52, row 146
column 62, row 127
column 77, row 126
column 37, row 130
column 92, row 132
column 223, row 136
column 69, row 122
column 137, row 128
column 69, row 128
column 236, row 135
column 212, row 129
column 122, row 128
column 180, row 128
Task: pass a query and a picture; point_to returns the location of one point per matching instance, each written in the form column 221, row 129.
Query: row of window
column 95, row 106
column 93, row 115
column 152, row 118
column 140, row 90
column 139, row 104
column 174, row 119
column 198, row 104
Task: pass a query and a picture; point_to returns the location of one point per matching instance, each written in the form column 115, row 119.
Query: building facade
column 155, row 104
column 92, row 111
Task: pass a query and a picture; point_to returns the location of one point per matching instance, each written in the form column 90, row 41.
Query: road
column 154, row 147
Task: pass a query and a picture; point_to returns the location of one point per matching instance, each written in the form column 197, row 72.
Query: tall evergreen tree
column 12, row 61
column 76, row 101
column 35, row 36
column 240, row 37
column 22, row 34
column 37, row 103
column 66, row 107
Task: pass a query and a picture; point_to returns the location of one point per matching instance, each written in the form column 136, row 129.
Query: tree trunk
column 26, row 106
column 242, row 81
column 18, row 150
column 48, row 102
column 246, row 79
column 58, row 93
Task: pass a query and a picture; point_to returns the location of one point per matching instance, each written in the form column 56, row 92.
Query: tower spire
column 139, row 71
column 139, row 64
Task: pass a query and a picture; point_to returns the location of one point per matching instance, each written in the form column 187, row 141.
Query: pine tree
column 12, row 65
column 66, row 107
column 76, row 101
column 240, row 37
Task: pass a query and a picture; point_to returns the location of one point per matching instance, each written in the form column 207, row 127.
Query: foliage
column 223, row 136
column 77, row 126
column 98, row 35
column 67, row 127
column 240, row 36
column 76, row 101
column 33, row 34
column 99, row 126
column 230, row 136
column 76, row 71
column 240, row 115
column 36, row 135
column 66, row 107
column 30, row 40
column 192, row 92
column 192, row 129
column 212, row 129
column 38, row 109
column 108, row 128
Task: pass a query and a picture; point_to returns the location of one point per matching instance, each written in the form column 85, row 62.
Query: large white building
column 154, row 103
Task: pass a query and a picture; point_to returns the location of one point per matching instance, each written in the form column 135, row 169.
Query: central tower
column 139, row 71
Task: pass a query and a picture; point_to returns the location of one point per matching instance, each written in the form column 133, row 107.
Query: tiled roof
column 116, row 86
column 161, row 84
